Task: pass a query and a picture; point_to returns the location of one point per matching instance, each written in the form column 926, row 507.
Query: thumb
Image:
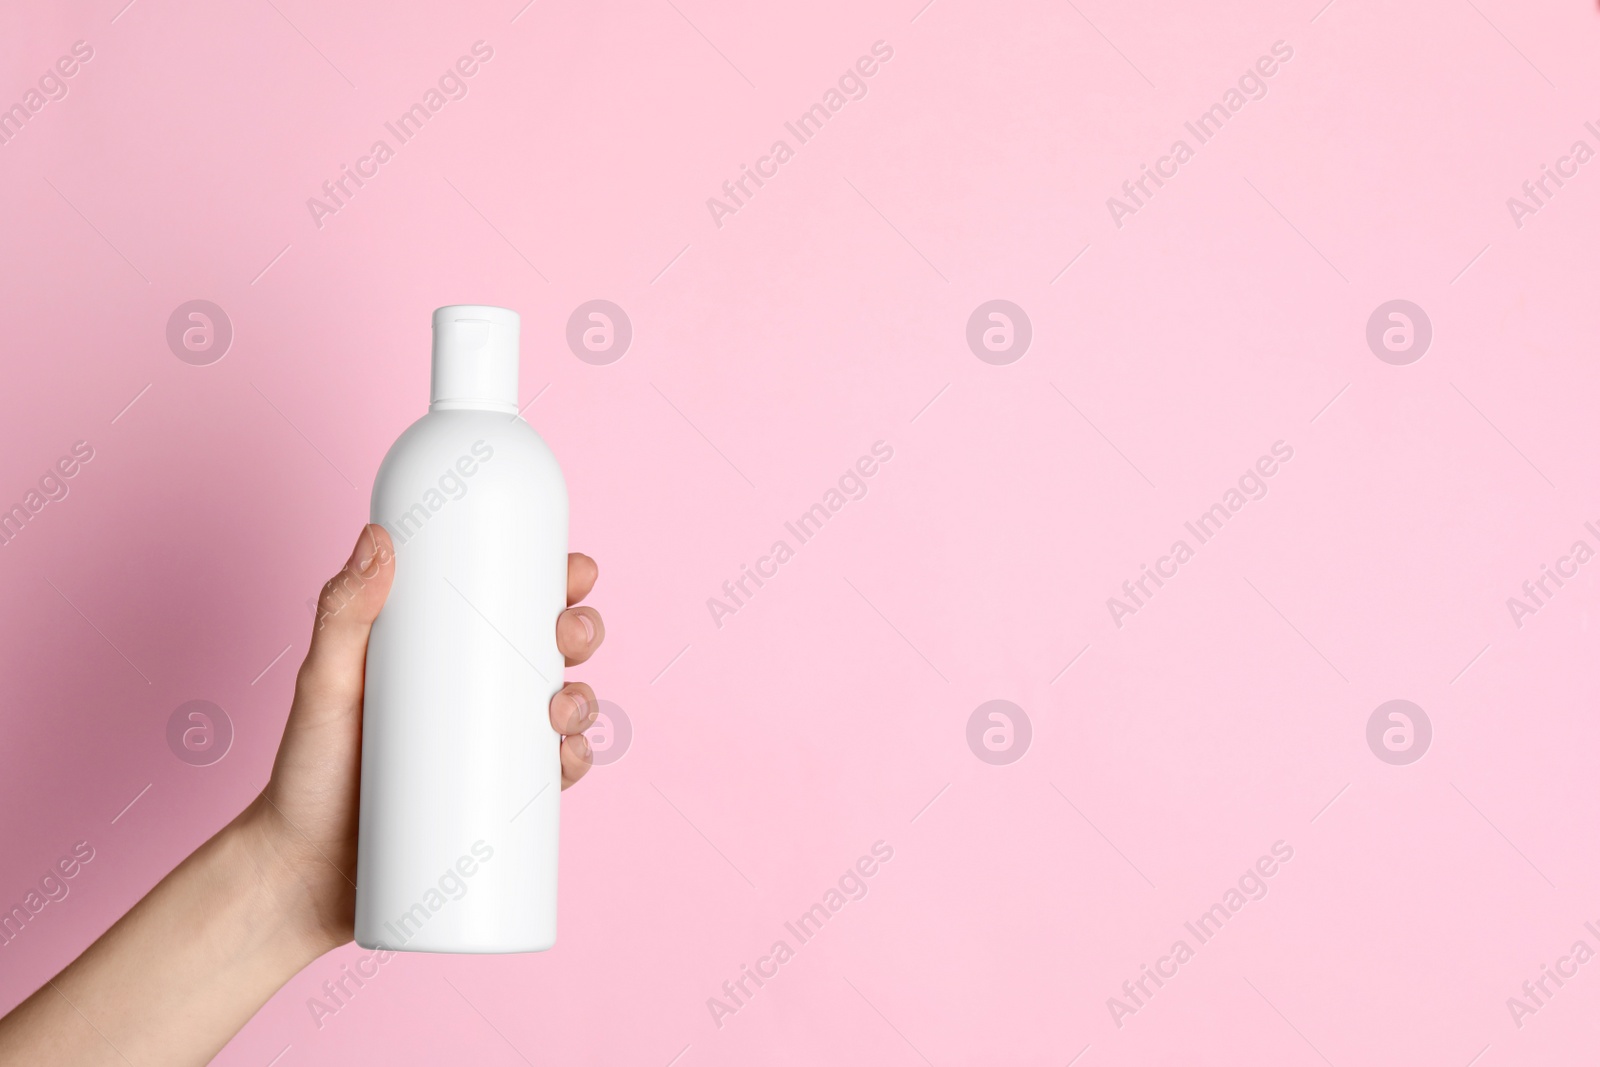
column 334, row 667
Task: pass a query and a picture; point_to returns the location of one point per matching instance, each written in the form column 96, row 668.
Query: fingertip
column 582, row 573
column 374, row 551
column 384, row 544
column 573, row 709
column 359, row 589
column 349, row 603
column 576, row 758
column 579, row 631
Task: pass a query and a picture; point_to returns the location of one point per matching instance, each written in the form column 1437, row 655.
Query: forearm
column 177, row 976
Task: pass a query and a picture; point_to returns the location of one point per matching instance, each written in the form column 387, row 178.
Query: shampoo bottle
column 460, row 767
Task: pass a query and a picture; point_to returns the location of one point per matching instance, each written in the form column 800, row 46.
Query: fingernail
column 366, row 549
column 580, row 746
column 580, row 710
column 588, row 627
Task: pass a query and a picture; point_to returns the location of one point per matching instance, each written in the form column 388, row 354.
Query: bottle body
column 460, row 768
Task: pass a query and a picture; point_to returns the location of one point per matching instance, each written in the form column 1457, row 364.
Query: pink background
column 770, row 753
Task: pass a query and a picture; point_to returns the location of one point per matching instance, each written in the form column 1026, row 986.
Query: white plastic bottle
column 460, row 768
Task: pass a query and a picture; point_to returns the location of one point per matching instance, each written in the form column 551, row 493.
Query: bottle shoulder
column 491, row 442
column 444, row 431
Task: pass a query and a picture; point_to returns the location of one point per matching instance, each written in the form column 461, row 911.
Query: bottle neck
column 474, row 405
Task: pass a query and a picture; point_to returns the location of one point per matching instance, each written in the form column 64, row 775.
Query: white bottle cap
column 475, row 351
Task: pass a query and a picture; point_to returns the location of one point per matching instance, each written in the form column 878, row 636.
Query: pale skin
column 177, row 976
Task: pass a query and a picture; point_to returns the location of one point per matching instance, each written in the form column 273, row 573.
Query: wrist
column 270, row 856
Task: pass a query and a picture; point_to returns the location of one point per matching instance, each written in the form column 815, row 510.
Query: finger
column 579, row 632
column 576, row 759
column 335, row 665
column 581, row 573
column 573, row 709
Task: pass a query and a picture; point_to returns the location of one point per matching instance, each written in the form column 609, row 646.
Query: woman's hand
column 173, row 980
column 306, row 817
